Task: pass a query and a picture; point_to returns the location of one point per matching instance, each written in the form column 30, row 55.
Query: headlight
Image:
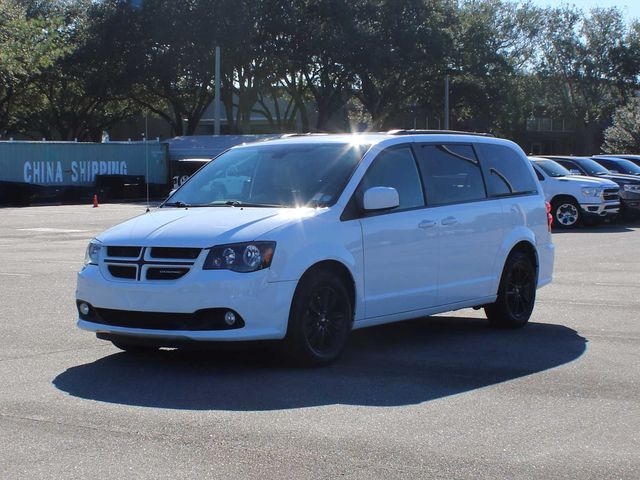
column 240, row 257
column 93, row 253
column 591, row 191
column 630, row 187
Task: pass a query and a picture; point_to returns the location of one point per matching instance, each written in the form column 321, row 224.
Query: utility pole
column 216, row 104
column 446, row 102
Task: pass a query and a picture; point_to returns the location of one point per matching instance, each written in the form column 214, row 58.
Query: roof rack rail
column 307, row 134
column 436, row 132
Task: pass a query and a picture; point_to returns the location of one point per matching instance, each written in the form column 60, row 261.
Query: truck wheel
column 516, row 293
column 320, row 319
column 566, row 213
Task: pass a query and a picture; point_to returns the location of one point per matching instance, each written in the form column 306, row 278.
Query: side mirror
column 380, row 198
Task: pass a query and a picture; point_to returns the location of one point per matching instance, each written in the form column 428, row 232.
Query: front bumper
column 630, row 201
column 262, row 305
column 605, row 209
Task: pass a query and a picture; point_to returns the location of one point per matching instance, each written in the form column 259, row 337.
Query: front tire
column 320, row 319
column 516, row 293
column 566, row 213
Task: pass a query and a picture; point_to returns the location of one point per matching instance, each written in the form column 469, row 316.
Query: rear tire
column 320, row 319
column 516, row 293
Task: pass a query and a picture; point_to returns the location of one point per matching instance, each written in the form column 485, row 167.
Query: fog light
column 229, row 318
column 84, row 308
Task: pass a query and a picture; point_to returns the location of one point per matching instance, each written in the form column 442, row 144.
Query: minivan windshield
column 552, row 168
column 281, row 175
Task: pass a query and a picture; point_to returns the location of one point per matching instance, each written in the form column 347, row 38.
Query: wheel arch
column 560, row 196
column 523, row 240
column 527, row 248
column 340, row 270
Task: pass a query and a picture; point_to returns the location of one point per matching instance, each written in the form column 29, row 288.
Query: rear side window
column 505, row 172
column 451, row 174
column 538, row 174
column 395, row 168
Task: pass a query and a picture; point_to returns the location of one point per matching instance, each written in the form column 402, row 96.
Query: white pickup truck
column 574, row 198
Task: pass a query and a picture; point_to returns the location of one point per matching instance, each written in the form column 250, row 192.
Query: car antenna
column 146, row 154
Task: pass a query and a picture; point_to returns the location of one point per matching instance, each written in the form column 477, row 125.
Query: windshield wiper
column 238, row 203
column 178, row 204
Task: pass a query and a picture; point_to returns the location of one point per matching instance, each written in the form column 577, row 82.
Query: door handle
column 426, row 224
column 449, row 221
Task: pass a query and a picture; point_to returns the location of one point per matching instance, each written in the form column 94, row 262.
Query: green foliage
column 28, row 45
column 70, row 68
column 624, row 135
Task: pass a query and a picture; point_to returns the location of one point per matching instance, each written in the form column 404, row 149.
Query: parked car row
column 587, row 189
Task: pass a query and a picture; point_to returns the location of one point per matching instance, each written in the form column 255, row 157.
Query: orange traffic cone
column 95, row 201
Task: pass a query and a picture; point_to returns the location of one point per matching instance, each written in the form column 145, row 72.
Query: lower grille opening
column 122, row 271
column 206, row 319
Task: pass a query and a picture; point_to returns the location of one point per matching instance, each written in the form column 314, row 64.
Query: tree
column 580, row 64
column 400, row 50
column 28, row 45
column 624, row 135
column 73, row 98
column 495, row 43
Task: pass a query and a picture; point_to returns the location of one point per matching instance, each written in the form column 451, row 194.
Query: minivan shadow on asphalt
column 399, row 364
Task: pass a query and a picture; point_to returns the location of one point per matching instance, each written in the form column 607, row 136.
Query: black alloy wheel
column 520, row 291
column 320, row 319
column 516, row 293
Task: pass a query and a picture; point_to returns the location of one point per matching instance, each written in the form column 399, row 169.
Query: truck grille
column 610, row 194
column 149, row 263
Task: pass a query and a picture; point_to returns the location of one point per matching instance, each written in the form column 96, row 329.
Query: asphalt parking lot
column 444, row 397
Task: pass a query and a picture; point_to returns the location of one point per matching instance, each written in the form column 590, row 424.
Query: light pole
column 446, row 102
column 216, row 104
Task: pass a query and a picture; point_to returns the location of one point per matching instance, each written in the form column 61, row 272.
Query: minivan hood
column 200, row 226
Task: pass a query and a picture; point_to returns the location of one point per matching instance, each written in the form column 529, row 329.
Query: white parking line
column 14, row 274
column 51, row 230
column 611, row 284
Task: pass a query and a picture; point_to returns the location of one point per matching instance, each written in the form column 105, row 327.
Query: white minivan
column 306, row 238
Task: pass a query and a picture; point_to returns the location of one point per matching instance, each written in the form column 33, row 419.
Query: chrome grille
column 149, row 263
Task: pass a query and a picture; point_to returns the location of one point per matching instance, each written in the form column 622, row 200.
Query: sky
column 630, row 8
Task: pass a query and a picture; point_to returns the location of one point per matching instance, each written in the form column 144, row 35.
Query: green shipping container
column 75, row 164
